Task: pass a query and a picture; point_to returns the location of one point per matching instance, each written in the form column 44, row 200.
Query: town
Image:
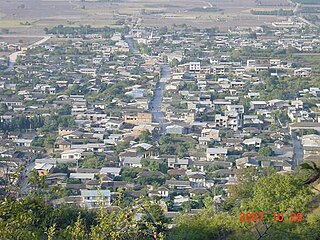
column 89, row 115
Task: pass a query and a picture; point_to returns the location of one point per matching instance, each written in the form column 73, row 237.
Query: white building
column 94, row 198
column 216, row 153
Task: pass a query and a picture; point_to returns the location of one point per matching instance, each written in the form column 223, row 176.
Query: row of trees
column 59, row 118
column 22, row 123
column 87, row 29
column 279, row 12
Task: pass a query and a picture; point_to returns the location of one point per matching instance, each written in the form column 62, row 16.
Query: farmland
column 307, row 1
column 203, row 14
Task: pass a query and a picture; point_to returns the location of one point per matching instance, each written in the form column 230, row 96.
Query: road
column 129, row 40
column 209, row 3
column 156, row 102
column 296, row 6
column 24, row 178
column 296, row 13
column 13, row 56
column 297, row 150
column 307, row 22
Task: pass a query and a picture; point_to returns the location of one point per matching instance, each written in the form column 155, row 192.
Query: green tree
column 36, row 181
column 266, row 151
column 77, row 231
column 285, row 193
column 206, row 225
column 186, row 206
column 3, row 108
column 174, row 62
column 92, row 162
column 49, row 141
column 278, row 194
column 145, row 137
column 65, row 110
column 121, row 146
column 128, row 174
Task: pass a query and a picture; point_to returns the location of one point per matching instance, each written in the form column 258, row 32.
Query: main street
column 156, row 102
column 297, row 150
column 24, row 188
column 130, row 42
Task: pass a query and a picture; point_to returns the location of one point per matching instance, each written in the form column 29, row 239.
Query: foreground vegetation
column 259, row 191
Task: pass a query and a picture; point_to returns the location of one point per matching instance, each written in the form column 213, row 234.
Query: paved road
column 13, row 56
column 130, row 42
column 156, row 102
column 297, row 150
column 24, row 179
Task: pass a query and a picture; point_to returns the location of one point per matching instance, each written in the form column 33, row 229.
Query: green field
column 14, row 24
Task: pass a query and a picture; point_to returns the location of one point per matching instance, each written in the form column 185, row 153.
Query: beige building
column 61, row 144
column 44, row 169
column 139, row 118
column 212, row 134
column 137, row 130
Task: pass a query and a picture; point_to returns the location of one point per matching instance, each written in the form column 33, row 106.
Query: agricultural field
column 280, row 3
column 307, row 1
column 32, row 16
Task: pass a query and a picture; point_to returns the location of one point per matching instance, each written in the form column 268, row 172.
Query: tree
column 65, row 110
column 3, row 108
column 9, row 177
column 49, row 141
column 277, row 194
column 153, row 223
column 285, row 193
column 266, row 151
column 181, row 151
column 121, row 146
column 32, row 218
column 246, row 180
column 151, row 180
column 51, row 232
column 77, row 230
column 145, row 137
column 36, row 181
column 92, row 162
column 128, row 174
column 174, row 62
column 186, row 206
column 206, row 225
column 140, row 150
column 316, row 172
column 167, row 149
column 38, row 142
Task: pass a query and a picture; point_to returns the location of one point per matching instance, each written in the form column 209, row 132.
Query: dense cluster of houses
column 94, row 96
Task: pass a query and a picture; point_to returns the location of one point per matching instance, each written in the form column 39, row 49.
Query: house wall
column 138, row 119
